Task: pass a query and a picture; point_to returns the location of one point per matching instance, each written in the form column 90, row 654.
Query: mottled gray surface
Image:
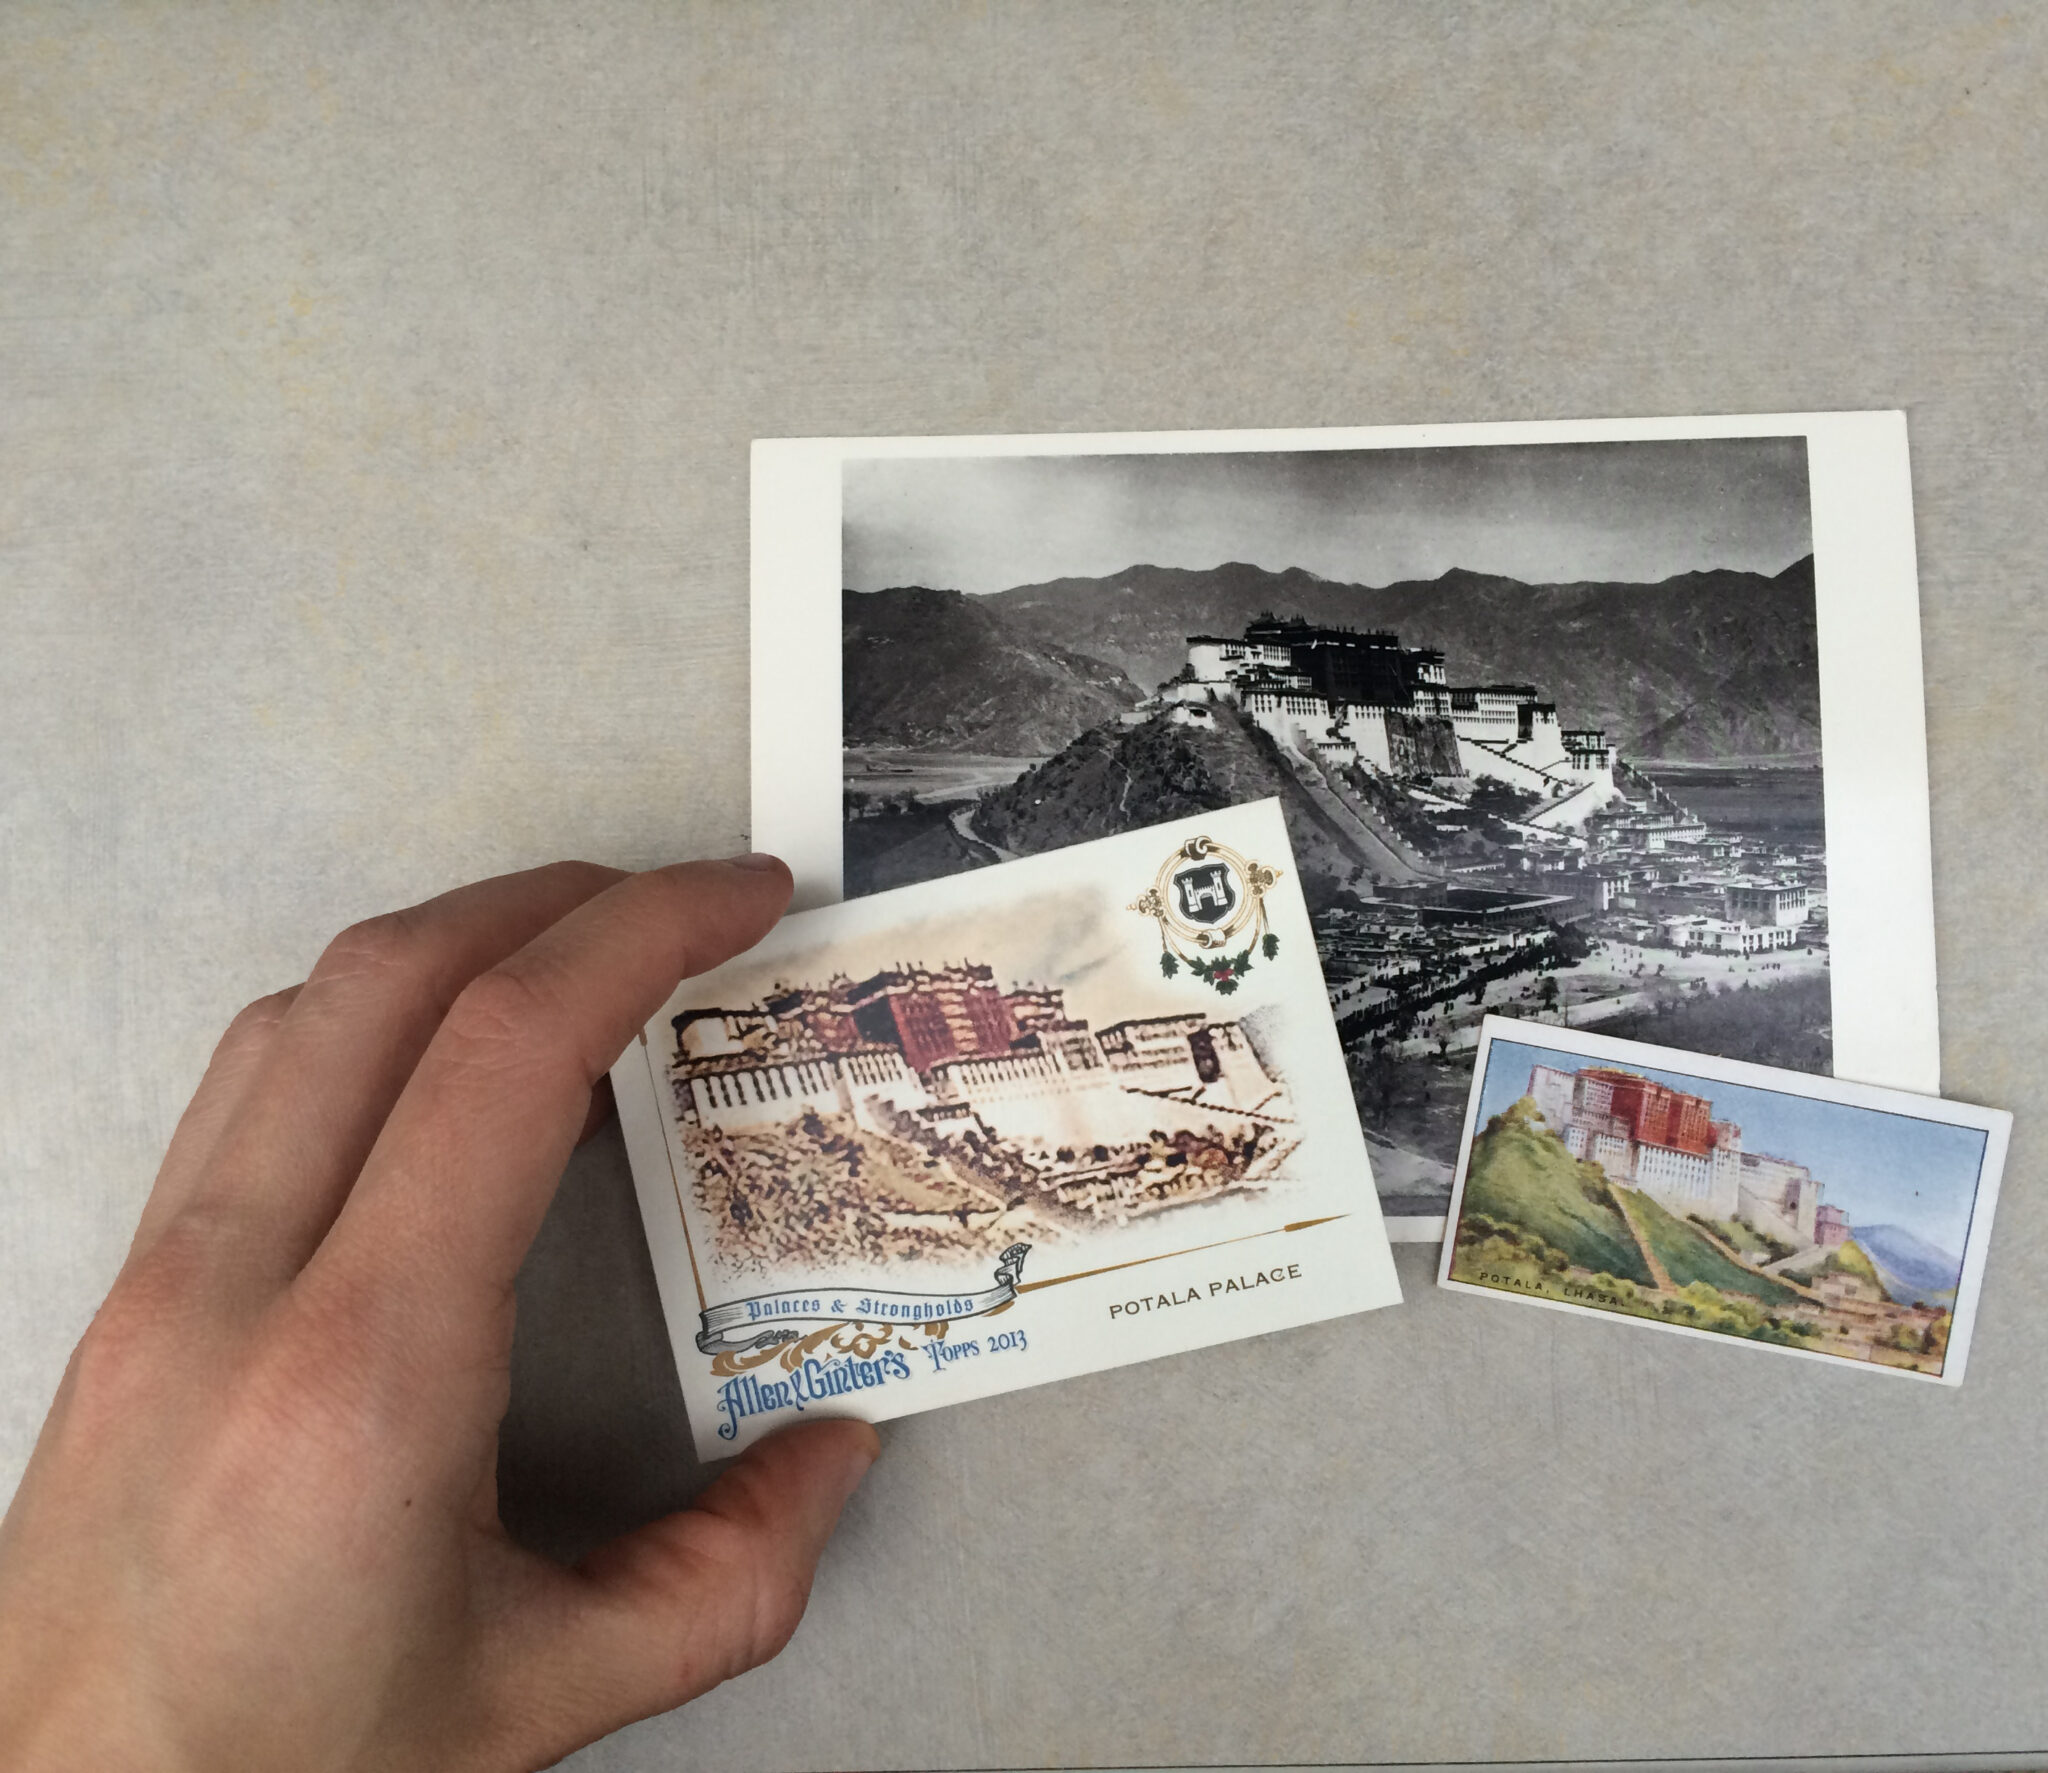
column 375, row 389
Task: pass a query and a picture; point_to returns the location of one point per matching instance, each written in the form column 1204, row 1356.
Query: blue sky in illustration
column 1879, row 1168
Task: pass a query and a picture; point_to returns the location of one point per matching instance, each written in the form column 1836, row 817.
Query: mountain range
column 1700, row 667
column 1911, row 1269
column 941, row 671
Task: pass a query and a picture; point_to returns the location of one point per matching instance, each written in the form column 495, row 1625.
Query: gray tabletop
column 373, row 461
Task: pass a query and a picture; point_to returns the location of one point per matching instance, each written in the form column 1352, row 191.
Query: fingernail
column 754, row 859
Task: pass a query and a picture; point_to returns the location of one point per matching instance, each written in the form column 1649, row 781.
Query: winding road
column 962, row 820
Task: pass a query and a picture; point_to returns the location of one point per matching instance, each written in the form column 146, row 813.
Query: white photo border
column 1867, row 608
column 1994, row 1123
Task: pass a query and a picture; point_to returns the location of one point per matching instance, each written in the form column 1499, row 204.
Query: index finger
column 463, row 1171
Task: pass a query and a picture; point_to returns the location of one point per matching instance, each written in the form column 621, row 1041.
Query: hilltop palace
column 1344, row 706
column 946, row 1048
column 1343, row 697
column 1648, row 1136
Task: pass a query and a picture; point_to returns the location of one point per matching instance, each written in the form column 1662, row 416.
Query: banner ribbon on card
column 767, row 1319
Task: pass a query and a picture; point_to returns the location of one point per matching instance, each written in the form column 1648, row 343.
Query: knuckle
column 757, row 1596
column 103, row 1365
column 255, row 1024
column 263, row 1013
column 740, row 1550
column 498, row 1012
column 390, row 942
column 592, row 876
column 120, row 1361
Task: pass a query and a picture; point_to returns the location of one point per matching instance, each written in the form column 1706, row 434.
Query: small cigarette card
column 1041, row 1119
column 1831, row 1220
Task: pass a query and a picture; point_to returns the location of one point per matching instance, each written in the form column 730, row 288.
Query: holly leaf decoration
column 1223, row 972
column 1168, row 966
column 1270, row 946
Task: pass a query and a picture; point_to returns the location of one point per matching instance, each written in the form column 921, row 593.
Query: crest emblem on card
column 1207, row 898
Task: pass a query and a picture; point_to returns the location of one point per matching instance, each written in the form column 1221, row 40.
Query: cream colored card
column 1000, row 1129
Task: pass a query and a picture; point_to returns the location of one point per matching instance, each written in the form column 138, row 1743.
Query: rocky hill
column 1845, row 1258
column 1522, row 1175
column 936, row 670
column 1703, row 666
column 1118, row 778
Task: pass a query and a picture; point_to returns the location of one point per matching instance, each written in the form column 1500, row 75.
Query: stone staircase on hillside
column 1380, row 850
column 1585, row 799
column 1517, row 773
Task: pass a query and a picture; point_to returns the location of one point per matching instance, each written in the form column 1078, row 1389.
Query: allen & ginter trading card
column 1596, row 722
column 1823, row 1218
column 985, row 1132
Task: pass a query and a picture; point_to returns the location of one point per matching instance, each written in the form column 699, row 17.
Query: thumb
column 669, row 1611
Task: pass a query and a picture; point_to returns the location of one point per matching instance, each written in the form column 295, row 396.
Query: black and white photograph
column 1545, row 720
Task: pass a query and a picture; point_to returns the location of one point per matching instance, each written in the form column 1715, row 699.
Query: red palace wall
column 1657, row 1115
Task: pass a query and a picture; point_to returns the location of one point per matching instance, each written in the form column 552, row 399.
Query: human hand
column 260, row 1527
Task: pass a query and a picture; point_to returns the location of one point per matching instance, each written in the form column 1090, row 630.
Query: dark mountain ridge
column 1701, row 666
column 941, row 671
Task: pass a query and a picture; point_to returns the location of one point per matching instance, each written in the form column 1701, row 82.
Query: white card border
column 1994, row 1123
column 659, row 1191
column 1352, row 1238
column 1867, row 607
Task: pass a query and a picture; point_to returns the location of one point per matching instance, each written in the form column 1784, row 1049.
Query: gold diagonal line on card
column 1060, row 1280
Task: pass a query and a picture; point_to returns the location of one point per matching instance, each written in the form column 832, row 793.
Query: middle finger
column 343, row 1054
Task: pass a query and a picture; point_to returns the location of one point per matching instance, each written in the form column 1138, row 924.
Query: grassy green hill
column 1689, row 1257
column 1734, row 1232
column 1522, row 1176
column 1537, row 1220
column 1739, row 1234
column 1848, row 1258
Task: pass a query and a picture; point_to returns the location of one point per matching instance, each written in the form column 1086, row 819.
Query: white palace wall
column 1684, row 1182
column 778, row 1091
column 1243, row 1081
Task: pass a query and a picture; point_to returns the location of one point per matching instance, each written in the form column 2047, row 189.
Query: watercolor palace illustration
column 926, row 1113
column 1608, row 1188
